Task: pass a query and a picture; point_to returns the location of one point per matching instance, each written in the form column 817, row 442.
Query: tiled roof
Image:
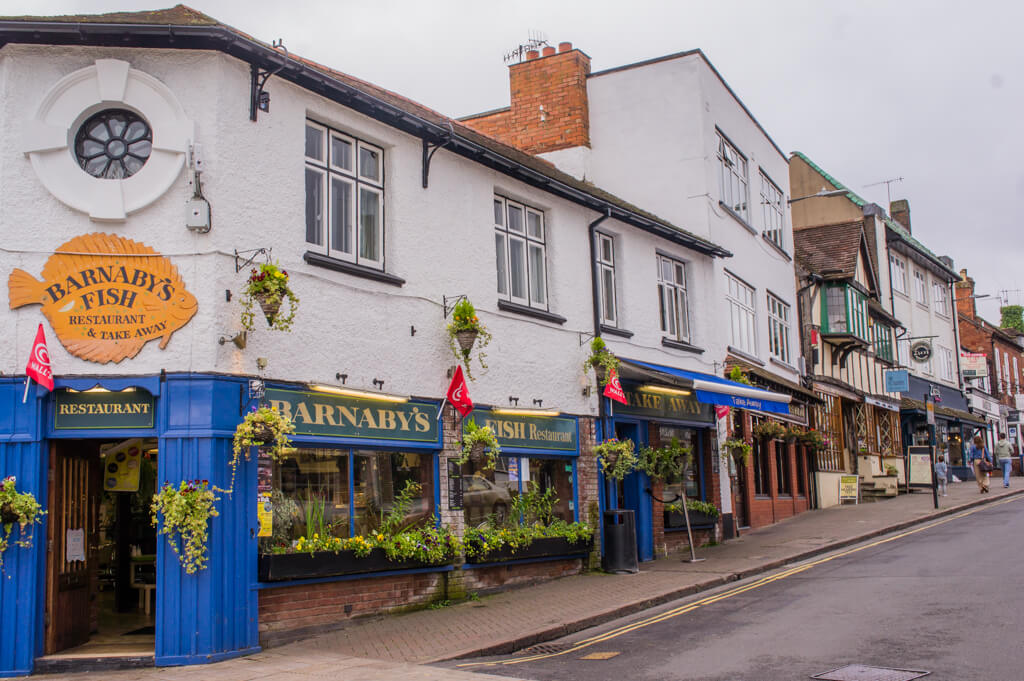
column 830, row 250
column 896, row 227
column 180, row 15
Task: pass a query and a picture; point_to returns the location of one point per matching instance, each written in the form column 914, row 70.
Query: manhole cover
column 859, row 672
column 546, row 648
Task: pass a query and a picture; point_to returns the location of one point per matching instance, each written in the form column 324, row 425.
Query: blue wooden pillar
column 211, row 615
column 22, row 584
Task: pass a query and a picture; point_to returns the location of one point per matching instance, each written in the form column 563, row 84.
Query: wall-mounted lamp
column 341, row 377
column 239, row 339
column 538, row 403
column 513, row 400
column 822, row 194
column 378, row 383
column 362, row 394
column 666, row 390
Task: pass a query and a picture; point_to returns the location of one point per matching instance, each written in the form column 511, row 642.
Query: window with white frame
column 1016, row 375
column 732, row 177
column 773, row 211
column 674, row 311
column 344, row 196
column 941, row 298
column 606, row 271
column 945, row 364
column 778, row 329
column 920, row 288
column 926, row 366
column 1006, row 373
column 903, row 352
column 899, row 275
column 519, row 251
column 740, row 298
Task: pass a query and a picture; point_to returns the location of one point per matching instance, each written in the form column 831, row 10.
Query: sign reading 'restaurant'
column 88, row 410
column 315, row 413
column 106, row 296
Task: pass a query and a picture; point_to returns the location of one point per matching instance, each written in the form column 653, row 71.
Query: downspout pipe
column 602, row 401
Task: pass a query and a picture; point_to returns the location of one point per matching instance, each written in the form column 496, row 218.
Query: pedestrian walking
column 981, row 461
column 1004, row 454
column 940, row 474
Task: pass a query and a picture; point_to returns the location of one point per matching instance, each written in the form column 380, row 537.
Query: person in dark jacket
column 977, row 453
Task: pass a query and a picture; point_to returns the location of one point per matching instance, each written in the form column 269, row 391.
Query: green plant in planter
column 793, row 433
column 17, row 508
column 268, row 286
column 813, row 439
column 263, row 427
column 618, row 458
column 740, row 450
column 769, row 430
column 891, row 470
column 696, row 506
column 183, row 514
column 665, row 464
column 738, row 376
column 533, row 507
column 601, row 360
column 475, row 441
column 464, row 330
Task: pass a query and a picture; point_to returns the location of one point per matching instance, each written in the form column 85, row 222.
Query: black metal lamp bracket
column 245, row 258
column 259, row 99
column 429, row 149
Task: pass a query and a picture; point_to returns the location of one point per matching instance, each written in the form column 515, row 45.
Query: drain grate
column 860, row 672
column 546, row 648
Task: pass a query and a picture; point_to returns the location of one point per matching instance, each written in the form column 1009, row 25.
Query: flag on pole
column 458, row 393
column 38, row 367
column 721, row 411
column 613, row 389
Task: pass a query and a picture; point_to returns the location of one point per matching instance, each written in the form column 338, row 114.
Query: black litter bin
column 619, row 541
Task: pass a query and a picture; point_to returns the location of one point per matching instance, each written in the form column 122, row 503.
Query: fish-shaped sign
column 106, row 296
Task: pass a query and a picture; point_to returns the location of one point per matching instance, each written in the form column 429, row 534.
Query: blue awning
column 711, row 389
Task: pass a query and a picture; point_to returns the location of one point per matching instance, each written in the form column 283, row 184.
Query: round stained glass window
column 113, row 144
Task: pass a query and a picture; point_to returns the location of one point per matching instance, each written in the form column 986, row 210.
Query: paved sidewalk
column 522, row 617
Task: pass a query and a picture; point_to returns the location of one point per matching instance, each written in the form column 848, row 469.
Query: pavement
column 397, row 647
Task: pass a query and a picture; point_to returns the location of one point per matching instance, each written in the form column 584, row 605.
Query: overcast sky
column 930, row 91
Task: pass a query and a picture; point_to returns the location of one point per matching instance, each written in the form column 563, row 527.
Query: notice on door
column 75, row 545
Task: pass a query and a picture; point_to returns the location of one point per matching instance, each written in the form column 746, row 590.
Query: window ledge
column 901, row 294
column 784, row 365
column 531, row 312
column 744, row 355
column 739, row 218
column 777, row 247
column 615, row 331
column 680, row 345
column 318, row 260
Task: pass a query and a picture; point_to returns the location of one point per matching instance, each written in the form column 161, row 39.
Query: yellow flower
column 380, row 537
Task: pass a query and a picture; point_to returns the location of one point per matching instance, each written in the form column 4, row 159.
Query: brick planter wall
column 501, row 577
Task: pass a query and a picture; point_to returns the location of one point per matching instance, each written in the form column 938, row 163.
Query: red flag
column 721, row 411
column 458, row 393
column 613, row 389
column 38, row 367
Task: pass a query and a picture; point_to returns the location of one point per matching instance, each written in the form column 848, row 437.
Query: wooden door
column 73, row 527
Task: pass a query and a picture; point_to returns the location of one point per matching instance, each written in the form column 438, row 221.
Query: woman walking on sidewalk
column 1004, row 454
column 979, row 457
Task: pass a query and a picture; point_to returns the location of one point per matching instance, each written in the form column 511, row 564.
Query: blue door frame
column 634, row 489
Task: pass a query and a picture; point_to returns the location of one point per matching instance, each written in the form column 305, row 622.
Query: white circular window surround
column 108, row 84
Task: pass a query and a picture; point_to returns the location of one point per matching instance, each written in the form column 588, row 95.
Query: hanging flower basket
column 8, row 516
column 466, row 339
column 601, row 360
column 769, row 430
column 16, row 508
column 475, row 440
column 265, row 428
column 183, row 514
column 269, row 287
column 618, row 458
column 463, row 332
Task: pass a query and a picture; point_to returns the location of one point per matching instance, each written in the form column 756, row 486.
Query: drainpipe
column 602, row 410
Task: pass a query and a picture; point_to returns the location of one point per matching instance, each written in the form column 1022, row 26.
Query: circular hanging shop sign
column 921, row 351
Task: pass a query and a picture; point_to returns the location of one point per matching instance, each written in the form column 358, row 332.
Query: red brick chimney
column 549, row 109
column 965, row 301
column 900, row 212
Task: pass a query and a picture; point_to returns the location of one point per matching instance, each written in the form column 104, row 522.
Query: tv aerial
column 535, row 41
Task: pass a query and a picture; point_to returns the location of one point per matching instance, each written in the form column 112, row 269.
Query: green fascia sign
column 98, row 410
column 530, row 432
column 664, row 406
column 316, row 413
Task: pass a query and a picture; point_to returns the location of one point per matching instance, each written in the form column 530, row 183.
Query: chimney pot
column 564, row 47
column 532, row 54
column 900, row 212
column 548, row 51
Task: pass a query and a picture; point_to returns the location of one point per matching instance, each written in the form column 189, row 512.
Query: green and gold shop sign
column 316, row 413
column 656, row 405
column 530, row 432
column 93, row 410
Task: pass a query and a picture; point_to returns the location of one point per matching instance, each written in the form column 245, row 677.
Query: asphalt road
column 944, row 597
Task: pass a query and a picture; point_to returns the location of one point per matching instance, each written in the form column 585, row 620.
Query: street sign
column 849, row 488
column 920, row 460
column 921, row 351
column 897, row 381
column 929, row 407
column 974, row 364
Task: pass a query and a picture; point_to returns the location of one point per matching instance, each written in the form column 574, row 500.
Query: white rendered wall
column 440, row 240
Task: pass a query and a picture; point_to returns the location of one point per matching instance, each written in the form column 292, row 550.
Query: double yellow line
column 690, row 607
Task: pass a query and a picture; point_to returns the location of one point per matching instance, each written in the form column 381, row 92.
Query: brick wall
column 501, row 577
column 771, row 508
column 549, row 107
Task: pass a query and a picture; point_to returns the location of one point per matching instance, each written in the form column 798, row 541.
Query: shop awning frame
column 712, row 389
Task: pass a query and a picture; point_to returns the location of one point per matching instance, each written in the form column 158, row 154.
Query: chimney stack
column 900, row 212
column 964, row 291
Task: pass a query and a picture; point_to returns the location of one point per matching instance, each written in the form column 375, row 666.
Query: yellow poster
column 265, row 514
column 849, row 486
column 121, row 465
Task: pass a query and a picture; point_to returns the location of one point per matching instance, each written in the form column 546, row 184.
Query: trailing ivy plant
column 263, row 427
column 665, row 464
column 17, row 508
column 740, row 450
column 601, row 360
column 464, row 330
column 618, row 458
column 183, row 514
column 475, row 440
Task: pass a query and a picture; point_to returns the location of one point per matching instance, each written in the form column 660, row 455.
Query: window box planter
column 279, row 567
column 539, row 548
column 698, row 520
